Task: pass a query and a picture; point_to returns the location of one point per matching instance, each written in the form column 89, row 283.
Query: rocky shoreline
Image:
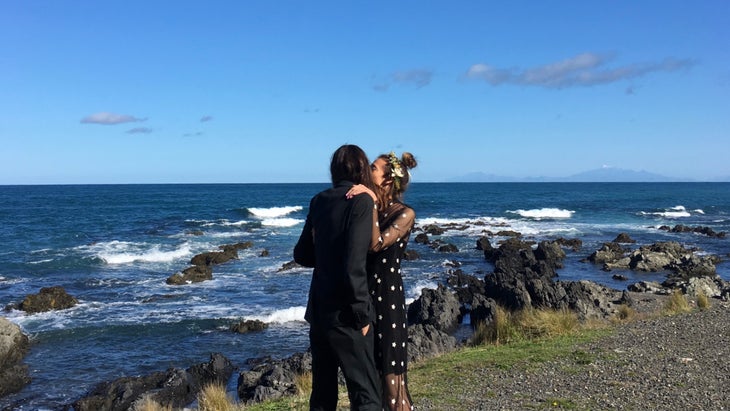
column 524, row 275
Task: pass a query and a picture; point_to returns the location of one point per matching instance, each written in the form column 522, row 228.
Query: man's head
column 349, row 163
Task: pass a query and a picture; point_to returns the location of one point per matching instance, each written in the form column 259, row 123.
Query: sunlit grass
column 213, row 397
column 148, row 404
column 676, row 304
column 625, row 314
column 703, row 301
column 528, row 324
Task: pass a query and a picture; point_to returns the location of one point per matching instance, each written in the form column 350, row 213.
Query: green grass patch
column 436, row 378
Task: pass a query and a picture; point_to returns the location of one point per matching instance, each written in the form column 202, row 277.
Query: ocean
column 113, row 246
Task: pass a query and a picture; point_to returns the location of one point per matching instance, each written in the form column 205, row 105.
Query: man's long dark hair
column 349, row 163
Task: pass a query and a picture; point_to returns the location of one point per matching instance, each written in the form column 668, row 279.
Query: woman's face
column 379, row 168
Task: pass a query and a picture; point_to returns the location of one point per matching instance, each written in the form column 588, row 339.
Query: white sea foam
column 542, row 213
column 273, row 212
column 41, row 261
column 442, row 221
column 240, row 223
column 229, row 234
column 672, row 212
column 283, row 316
column 527, row 227
column 467, row 226
column 123, row 252
column 220, row 223
column 281, row 222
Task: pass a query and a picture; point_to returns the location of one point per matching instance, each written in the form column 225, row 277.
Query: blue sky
column 265, row 91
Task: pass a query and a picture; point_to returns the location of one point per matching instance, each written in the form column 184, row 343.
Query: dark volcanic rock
column 680, row 228
column 247, row 326
column 49, row 298
column 214, row 257
column 194, row 274
column 411, row 255
column 13, row 347
column 508, row 233
column 433, row 229
column 425, row 341
column 550, row 252
column 573, row 243
column 421, row 238
column 237, row 246
column 289, row 266
column 524, row 279
column 591, row 300
column 624, row 238
column 172, row 388
column 483, row 310
column 448, row 248
column 439, row 308
column 465, row 285
column 609, row 252
column 669, row 256
column 228, row 252
column 483, row 244
column 271, row 379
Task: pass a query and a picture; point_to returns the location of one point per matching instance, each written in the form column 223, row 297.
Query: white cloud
column 585, row 69
column 139, row 130
column 110, row 118
column 417, row 77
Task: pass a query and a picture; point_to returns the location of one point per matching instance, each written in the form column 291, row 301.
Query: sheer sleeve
column 398, row 224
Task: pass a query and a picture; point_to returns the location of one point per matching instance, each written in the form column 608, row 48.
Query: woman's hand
column 359, row 189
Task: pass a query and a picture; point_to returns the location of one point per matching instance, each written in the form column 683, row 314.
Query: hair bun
column 408, row 160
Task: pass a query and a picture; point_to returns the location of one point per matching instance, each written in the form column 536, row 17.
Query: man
column 335, row 241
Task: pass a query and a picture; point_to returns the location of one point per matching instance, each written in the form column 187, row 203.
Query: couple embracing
column 355, row 238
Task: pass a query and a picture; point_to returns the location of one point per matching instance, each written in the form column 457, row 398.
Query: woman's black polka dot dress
column 384, row 269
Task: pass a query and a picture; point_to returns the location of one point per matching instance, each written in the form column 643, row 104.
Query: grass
column 525, row 325
column 303, row 382
column 703, row 302
column 676, row 304
column 214, row 398
column 147, row 404
column 625, row 314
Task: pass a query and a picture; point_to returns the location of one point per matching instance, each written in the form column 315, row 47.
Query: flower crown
column 396, row 170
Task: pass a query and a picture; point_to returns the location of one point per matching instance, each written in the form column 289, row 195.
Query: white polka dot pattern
column 384, row 265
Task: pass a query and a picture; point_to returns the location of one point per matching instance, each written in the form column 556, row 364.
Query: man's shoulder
column 362, row 201
column 332, row 192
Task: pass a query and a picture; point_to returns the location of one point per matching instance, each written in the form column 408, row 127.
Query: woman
column 388, row 245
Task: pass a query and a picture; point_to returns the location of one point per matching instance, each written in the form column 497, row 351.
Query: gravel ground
column 678, row 362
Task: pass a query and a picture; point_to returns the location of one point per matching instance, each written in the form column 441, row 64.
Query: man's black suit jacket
column 335, row 241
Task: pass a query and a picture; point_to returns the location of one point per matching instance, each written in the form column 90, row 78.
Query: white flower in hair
column 396, row 169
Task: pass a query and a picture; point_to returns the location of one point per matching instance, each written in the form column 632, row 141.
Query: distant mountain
column 600, row 175
column 611, row 174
